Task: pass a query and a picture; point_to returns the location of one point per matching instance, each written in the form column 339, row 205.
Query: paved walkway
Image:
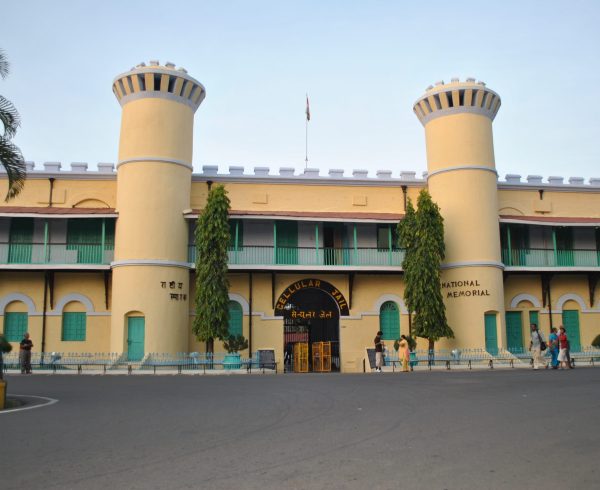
column 501, row 429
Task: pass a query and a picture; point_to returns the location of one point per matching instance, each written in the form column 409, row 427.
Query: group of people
column 403, row 352
column 558, row 346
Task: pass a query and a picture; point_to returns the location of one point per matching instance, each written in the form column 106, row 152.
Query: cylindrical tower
column 150, row 303
column 462, row 178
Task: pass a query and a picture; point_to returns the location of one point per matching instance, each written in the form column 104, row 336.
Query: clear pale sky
column 363, row 65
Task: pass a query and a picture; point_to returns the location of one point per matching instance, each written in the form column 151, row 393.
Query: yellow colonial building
column 103, row 261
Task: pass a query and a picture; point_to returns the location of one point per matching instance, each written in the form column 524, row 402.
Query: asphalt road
column 516, row 429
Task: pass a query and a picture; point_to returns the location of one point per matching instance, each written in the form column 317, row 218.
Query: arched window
column 236, row 317
column 389, row 320
column 73, row 323
column 15, row 326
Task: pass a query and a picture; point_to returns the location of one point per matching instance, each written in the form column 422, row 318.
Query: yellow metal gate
column 301, row 357
column 321, row 357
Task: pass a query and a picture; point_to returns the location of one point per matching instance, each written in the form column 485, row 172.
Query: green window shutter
column 73, row 326
column 564, row 246
column 85, row 236
column 287, row 242
column 20, row 241
column 389, row 320
column 514, row 331
column 491, row 334
column 382, row 237
column 15, row 326
column 571, row 322
column 109, row 234
column 534, row 318
column 240, row 229
column 236, row 318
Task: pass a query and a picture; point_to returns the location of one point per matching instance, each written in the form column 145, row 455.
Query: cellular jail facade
column 103, row 261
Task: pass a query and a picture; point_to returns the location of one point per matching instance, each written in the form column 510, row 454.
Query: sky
column 362, row 63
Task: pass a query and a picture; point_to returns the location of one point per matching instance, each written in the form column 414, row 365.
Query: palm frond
column 3, row 65
column 14, row 164
column 9, row 117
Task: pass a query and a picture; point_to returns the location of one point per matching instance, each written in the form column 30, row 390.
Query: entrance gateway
column 311, row 310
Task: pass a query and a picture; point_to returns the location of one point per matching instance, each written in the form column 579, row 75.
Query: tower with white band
column 150, row 269
column 462, row 180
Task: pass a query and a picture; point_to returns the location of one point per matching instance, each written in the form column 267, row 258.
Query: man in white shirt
column 535, row 346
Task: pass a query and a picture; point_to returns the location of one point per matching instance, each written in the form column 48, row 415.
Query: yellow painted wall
column 565, row 204
column 273, row 196
column 67, row 193
column 90, row 285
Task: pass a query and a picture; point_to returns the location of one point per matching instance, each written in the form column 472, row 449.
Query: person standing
column 25, row 354
column 563, row 344
column 553, row 346
column 535, row 346
column 378, row 351
column 404, row 352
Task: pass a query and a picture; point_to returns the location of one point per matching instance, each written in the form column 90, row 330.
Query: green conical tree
column 212, row 285
column 10, row 156
column 423, row 292
column 406, row 241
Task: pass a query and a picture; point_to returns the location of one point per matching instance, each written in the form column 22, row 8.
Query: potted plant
column 233, row 345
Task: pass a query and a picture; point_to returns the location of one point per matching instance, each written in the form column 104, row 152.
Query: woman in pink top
column 563, row 343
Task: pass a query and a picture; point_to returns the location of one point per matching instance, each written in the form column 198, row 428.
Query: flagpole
column 307, row 118
column 306, row 146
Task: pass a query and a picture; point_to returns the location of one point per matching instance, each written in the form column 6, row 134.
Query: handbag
column 543, row 345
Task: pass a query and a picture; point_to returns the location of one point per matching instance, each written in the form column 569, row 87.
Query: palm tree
column 10, row 156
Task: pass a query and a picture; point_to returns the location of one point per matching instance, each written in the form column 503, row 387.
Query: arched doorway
column 311, row 311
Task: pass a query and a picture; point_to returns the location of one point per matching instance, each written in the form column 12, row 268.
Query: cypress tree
column 212, row 286
column 423, row 292
column 406, row 241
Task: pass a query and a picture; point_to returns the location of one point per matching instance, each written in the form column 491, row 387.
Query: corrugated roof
column 552, row 219
column 5, row 210
column 312, row 214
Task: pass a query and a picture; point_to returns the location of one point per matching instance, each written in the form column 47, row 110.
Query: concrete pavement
column 440, row 430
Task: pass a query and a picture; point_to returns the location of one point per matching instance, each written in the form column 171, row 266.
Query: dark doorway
column 334, row 244
column 311, row 316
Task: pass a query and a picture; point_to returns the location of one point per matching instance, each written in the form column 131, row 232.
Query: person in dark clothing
column 25, row 354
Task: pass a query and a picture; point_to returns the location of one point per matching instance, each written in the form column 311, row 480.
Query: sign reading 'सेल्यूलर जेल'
column 464, row 289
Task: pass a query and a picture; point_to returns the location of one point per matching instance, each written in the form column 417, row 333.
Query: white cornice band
column 474, row 263
column 160, row 95
column 149, row 262
column 462, row 167
column 457, row 110
column 156, row 160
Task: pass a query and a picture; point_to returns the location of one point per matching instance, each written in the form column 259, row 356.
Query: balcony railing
column 310, row 256
column 539, row 257
column 56, row 253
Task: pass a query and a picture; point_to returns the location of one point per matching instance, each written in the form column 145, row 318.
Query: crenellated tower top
column 161, row 81
column 443, row 99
